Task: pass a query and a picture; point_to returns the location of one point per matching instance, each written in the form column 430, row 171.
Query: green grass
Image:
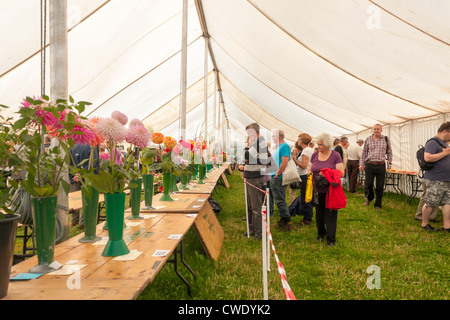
column 414, row 263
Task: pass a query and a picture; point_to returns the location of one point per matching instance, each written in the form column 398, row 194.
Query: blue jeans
column 279, row 193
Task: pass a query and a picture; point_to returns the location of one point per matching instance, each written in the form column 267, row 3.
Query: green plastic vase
column 90, row 211
column 184, row 182
column 115, row 210
column 166, row 183
column 173, row 183
column 44, row 217
column 201, row 174
column 135, row 199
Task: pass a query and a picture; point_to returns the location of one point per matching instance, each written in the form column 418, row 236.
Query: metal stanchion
column 264, row 253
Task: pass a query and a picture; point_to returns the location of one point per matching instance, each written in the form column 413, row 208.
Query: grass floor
column 413, row 263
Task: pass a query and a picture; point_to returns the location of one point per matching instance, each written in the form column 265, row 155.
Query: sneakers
column 305, row 222
column 287, row 226
column 445, row 230
column 281, row 223
column 430, row 228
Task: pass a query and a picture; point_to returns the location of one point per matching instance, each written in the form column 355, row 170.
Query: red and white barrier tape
column 287, row 289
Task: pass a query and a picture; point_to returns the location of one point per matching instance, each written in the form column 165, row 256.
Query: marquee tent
column 302, row 66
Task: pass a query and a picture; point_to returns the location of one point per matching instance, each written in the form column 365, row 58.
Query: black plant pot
column 8, row 229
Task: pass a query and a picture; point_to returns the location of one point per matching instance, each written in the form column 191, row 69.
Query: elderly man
column 281, row 157
column 437, row 179
column 354, row 152
column 377, row 149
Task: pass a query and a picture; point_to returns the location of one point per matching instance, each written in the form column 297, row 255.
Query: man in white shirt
column 354, row 153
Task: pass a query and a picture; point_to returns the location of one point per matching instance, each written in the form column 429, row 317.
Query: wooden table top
column 103, row 277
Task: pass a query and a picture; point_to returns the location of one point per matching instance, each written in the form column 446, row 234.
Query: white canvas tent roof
column 303, row 66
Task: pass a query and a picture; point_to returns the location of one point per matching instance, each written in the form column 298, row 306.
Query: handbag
column 290, row 174
column 322, row 182
column 309, row 189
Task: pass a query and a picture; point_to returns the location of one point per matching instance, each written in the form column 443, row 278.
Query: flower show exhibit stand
column 217, row 176
column 91, row 276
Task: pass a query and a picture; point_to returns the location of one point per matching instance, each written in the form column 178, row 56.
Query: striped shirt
column 376, row 151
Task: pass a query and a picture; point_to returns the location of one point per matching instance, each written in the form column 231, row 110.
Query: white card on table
column 161, row 253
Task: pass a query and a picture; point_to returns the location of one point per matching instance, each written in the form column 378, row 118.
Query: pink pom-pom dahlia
column 138, row 135
column 119, row 116
column 111, row 129
column 136, row 122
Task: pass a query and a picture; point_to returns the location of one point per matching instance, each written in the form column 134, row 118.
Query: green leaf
column 21, row 123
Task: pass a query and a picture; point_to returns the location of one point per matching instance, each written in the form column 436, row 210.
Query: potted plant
column 138, row 136
column 148, row 167
column 8, row 219
column 90, row 195
column 45, row 169
column 113, row 179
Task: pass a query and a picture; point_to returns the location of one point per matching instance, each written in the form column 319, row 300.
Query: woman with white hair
column 326, row 219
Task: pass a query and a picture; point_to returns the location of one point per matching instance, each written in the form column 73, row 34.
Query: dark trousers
column 326, row 220
column 353, row 171
column 306, row 208
column 255, row 200
column 377, row 172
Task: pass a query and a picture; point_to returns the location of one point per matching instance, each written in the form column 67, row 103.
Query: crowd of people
column 333, row 163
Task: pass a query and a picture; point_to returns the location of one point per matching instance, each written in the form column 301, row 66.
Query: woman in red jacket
column 325, row 157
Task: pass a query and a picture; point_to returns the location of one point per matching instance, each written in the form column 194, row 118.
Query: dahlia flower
column 136, row 122
column 185, row 144
column 111, row 129
column 157, row 138
column 169, row 142
column 138, row 135
column 119, row 116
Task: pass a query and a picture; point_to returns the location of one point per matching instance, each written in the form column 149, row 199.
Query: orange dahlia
column 170, row 142
column 157, row 138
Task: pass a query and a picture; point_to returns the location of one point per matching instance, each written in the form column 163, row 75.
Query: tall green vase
column 148, row 180
column 201, row 174
column 184, row 181
column 173, row 183
column 44, row 217
column 166, row 183
column 135, row 199
column 115, row 210
column 90, row 211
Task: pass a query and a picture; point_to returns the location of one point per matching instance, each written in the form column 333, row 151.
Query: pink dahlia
column 185, row 144
column 112, row 129
column 138, row 135
column 136, row 122
column 82, row 134
column 119, row 116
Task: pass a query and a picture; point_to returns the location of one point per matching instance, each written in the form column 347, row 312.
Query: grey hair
column 326, row 139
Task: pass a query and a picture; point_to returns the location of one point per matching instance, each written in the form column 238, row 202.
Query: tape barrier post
column 264, row 254
column 268, row 228
column 287, row 289
column 246, row 209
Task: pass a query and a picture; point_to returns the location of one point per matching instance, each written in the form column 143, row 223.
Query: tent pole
column 206, row 87
column 59, row 87
column 215, row 111
column 183, row 72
